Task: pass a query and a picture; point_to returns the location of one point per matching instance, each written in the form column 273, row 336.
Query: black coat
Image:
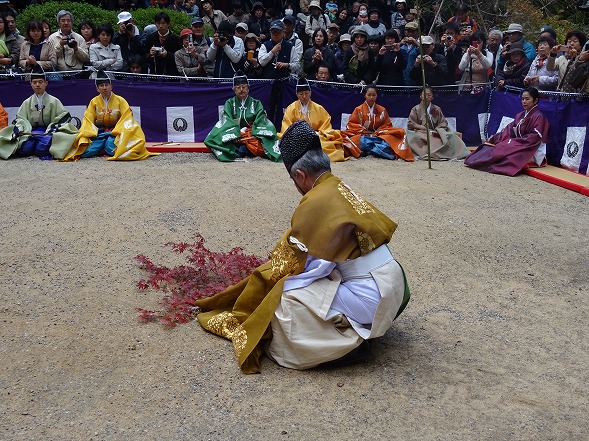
column 390, row 68
column 162, row 65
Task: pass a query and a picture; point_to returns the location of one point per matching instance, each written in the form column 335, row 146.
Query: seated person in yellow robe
column 109, row 128
column 318, row 118
column 371, row 132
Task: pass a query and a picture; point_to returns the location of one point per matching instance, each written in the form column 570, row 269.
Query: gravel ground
column 493, row 345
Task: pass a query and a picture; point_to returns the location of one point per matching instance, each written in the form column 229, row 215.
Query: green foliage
column 48, row 11
column 144, row 17
column 83, row 11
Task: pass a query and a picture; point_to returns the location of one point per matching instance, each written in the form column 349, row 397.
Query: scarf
column 361, row 53
column 3, row 47
column 541, row 59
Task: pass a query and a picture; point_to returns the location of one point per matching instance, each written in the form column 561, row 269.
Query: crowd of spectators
column 323, row 41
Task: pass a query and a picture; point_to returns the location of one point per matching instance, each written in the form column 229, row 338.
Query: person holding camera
column 391, row 60
column 475, row 64
column 127, row 37
column 201, row 44
column 186, row 58
column 451, row 52
column 565, row 65
column 226, row 51
column 71, row 49
column 161, row 46
column 410, row 46
column 434, row 65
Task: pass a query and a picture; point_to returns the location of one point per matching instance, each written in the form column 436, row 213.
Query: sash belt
column 363, row 265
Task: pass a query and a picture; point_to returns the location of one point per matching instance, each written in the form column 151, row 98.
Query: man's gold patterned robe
column 331, row 223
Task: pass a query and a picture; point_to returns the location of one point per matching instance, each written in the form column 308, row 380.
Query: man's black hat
column 302, row 85
column 239, row 78
column 101, row 77
column 37, row 73
column 297, row 140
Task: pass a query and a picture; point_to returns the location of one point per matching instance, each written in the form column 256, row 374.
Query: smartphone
column 563, row 48
column 474, row 43
column 250, row 55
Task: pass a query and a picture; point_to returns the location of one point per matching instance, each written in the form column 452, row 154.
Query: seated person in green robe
column 243, row 130
column 41, row 127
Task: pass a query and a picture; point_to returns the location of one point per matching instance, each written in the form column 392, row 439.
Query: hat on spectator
column 550, row 30
column 242, row 26
column 225, row 27
column 297, row 140
column 64, row 12
column 344, row 37
column 514, row 27
column 360, row 31
column 302, row 85
column 277, row 25
column 251, row 36
column 411, row 25
column 150, row 29
column 400, row 1
column 124, row 16
column 290, row 19
column 373, row 9
column 315, row 4
column 333, row 26
column 515, row 47
column 37, row 73
column 239, row 78
column 3, row 2
column 197, row 20
column 207, row 1
column 101, row 78
column 257, row 5
column 184, row 32
column 426, row 39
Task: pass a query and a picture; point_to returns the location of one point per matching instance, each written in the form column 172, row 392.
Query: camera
column 129, row 27
column 158, row 50
column 449, row 38
column 222, row 36
column 70, row 41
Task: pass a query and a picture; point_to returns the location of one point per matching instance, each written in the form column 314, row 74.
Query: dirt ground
column 492, row 346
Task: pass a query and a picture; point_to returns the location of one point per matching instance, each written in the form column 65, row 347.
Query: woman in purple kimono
column 522, row 143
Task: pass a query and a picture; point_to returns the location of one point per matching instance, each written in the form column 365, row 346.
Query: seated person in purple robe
column 520, row 145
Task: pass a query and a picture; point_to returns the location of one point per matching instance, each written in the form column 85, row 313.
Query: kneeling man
column 331, row 282
column 41, row 127
column 243, row 130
